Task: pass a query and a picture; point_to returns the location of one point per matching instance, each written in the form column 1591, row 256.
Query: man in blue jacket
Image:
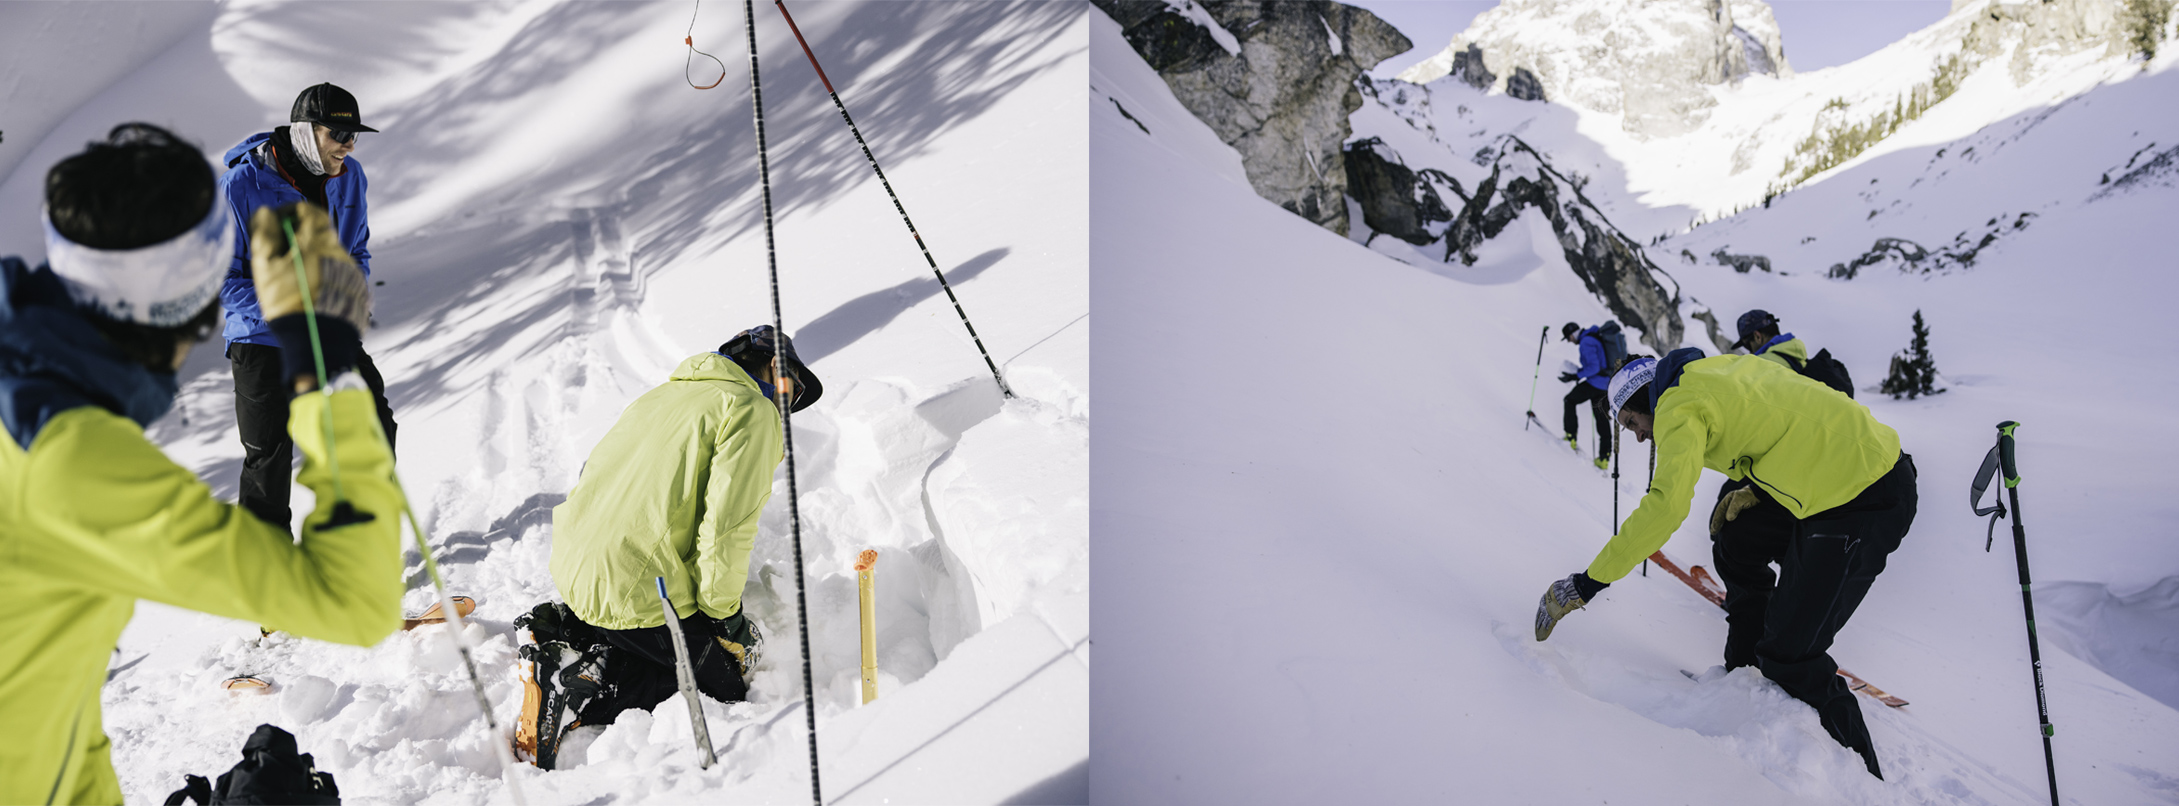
column 1589, row 382
column 305, row 161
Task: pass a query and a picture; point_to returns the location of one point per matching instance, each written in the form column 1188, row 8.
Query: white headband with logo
column 161, row 285
column 1633, row 379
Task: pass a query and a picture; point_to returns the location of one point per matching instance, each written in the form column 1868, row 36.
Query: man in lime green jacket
column 93, row 517
column 1821, row 456
column 674, row 490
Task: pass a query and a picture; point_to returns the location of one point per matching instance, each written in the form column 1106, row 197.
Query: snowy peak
column 1651, row 62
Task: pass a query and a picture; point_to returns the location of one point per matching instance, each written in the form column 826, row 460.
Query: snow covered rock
column 1280, row 94
column 1653, row 63
column 1610, row 264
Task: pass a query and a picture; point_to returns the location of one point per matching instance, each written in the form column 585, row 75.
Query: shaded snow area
column 1333, row 483
column 558, row 219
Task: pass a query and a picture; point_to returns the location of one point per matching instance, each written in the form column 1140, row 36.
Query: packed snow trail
column 534, row 285
column 1336, row 492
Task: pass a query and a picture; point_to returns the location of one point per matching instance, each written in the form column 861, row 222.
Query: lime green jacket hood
column 94, row 517
column 674, row 491
column 1807, row 445
column 1791, row 347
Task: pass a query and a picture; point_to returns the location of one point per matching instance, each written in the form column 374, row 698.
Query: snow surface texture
column 1339, row 494
column 558, row 220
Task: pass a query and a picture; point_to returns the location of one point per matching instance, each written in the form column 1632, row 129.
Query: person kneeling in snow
column 673, row 491
column 93, row 517
column 1838, row 473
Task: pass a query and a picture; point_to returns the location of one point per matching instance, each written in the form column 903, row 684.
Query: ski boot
column 1602, row 463
column 741, row 638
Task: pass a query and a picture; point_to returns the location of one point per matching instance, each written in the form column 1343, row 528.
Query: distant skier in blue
column 1589, row 383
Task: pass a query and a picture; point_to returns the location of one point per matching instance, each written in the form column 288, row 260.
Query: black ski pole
column 1538, row 376
column 2001, row 457
column 786, row 417
column 903, row 210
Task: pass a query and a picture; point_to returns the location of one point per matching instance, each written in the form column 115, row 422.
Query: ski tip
column 866, row 560
column 463, row 605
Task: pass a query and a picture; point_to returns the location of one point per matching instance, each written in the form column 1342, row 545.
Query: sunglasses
column 341, row 137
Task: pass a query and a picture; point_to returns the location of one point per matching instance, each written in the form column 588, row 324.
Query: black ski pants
column 639, row 671
column 261, row 414
column 1826, row 564
column 1585, row 392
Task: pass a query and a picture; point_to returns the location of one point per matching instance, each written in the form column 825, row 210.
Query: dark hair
column 154, row 347
column 1639, row 401
column 141, row 186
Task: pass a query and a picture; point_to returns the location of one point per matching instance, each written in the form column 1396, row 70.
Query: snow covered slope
column 558, row 219
column 1333, row 485
column 1760, row 134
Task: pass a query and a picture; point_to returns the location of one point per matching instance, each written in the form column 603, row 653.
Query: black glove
column 1568, row 377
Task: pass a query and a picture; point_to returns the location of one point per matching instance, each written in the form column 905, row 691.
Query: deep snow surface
column 1333, row 483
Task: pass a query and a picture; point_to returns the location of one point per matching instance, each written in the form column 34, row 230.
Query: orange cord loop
column 690, row 41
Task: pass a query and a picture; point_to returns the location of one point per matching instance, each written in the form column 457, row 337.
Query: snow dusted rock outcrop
column 1396, row 200
column 1275, row 80
column 1612, row 266
column 1650, row 61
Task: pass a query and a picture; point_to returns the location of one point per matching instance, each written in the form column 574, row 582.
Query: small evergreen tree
column 2144, row 21
column 1913, row 372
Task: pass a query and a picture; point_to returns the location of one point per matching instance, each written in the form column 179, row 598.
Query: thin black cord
column 897, row 206
column 786, row 416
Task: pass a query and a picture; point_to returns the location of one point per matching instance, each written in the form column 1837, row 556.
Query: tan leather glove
column 338, row 289
column 1730, row 507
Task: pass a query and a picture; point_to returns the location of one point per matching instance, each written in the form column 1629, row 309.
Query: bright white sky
column 1818, row 33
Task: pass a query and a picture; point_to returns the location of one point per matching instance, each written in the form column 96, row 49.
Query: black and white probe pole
column 685, row 675
column 786, row 414
column 1004, row 390
column 2027, row 598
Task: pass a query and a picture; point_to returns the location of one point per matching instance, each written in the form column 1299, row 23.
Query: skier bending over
column 674, row 491
column 1588, row 381
column 93, row 517
column 1839, row 474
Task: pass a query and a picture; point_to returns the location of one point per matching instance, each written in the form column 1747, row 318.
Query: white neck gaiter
column 304, row 137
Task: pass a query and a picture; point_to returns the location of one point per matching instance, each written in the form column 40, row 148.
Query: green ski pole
column 499, row 743
column 2001, row 457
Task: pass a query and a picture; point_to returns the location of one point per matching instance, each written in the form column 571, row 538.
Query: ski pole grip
column 2005, row 453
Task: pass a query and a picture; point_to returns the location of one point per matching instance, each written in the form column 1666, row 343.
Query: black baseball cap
column 758, row 344
column 331, row 107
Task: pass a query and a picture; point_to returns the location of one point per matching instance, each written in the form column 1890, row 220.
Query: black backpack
column 1615, row 346
column 271, row 772
column 1824, row 369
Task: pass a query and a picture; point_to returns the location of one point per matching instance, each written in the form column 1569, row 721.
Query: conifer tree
column 1913, row 372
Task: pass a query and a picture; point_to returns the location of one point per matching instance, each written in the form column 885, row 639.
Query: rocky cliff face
column 1427, row 207
column 1272, row 78
column 1612, row 265
column 1650, row 61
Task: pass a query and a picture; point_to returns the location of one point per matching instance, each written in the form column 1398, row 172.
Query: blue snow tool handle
column 662, row 589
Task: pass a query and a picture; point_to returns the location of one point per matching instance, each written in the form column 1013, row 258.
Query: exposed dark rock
column 1610, row 264
column 1395, row 200
column 1741, row 263
column 1283, row 99
column 1906, row 251
column 1468, row 67
column 1525, row 85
